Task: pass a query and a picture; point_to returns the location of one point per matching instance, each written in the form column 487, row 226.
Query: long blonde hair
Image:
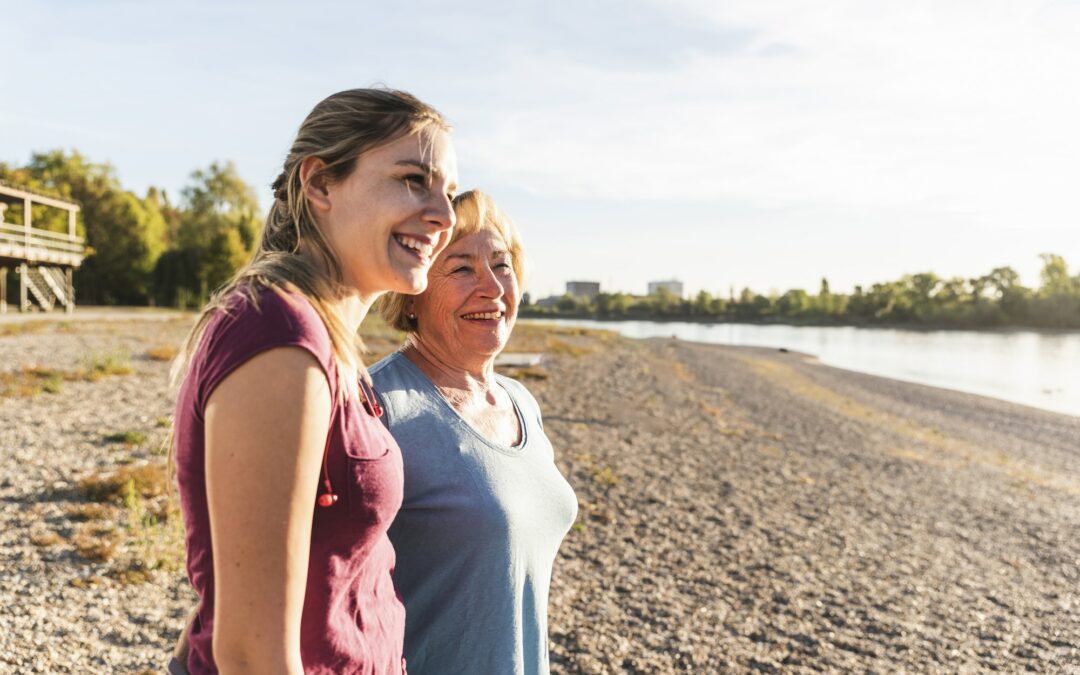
column 337, row 131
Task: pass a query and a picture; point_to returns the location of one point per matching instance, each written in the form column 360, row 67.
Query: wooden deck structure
column 44, row 260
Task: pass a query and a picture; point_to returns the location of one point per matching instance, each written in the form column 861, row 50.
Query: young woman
column 287, row 479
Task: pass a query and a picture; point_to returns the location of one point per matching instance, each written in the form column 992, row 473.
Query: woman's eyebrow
column 423, row 166
column 431, row 171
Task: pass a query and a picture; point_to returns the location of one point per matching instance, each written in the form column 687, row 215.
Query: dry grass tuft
column 147, row 480
column 97, row 542
column 30, row 381
column 23, row 328
column 164, row 353
column 45, row 539
column 102, row 365
column 81, row 513
column 130, row 524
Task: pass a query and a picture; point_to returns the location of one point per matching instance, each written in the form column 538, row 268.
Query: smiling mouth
column 419, row 248
column 483, row 316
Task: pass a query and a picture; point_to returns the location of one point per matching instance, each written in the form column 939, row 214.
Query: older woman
column 485, row 507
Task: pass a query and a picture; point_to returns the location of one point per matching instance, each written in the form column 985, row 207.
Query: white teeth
column 415, row 244
column 484, row 315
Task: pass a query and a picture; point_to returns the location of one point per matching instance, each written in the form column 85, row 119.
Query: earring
column 412, row 317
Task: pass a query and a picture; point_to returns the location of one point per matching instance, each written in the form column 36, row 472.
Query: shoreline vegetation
column 156, row 250
column 556, row 317
column 740, row 509
column 925, row 301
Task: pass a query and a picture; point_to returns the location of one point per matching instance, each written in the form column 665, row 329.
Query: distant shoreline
column 906, row 326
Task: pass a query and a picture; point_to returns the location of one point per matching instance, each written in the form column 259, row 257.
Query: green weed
column 131, row 437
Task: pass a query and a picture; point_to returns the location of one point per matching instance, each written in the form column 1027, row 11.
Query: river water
column 1041, row 370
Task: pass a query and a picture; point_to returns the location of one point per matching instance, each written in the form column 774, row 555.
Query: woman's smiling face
column 390, row 218
column 471, row 302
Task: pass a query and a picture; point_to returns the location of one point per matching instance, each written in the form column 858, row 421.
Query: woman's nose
column 490, row 286
column 440, row 214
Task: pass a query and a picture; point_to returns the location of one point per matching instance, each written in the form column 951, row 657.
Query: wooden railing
column 36, row 245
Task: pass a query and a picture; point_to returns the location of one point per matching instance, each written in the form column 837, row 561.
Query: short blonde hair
column 475, row 211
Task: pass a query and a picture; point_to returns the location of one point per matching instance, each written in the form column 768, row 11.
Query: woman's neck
column 448, row 371
column 352, row 307
column 350, row 303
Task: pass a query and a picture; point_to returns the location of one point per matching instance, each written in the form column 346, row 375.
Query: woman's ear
column 314, row 183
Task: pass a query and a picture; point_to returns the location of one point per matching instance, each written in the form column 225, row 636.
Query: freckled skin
column 384, row 196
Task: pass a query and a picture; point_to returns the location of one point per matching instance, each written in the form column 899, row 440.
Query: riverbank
column 707, row 320
column 741, row 510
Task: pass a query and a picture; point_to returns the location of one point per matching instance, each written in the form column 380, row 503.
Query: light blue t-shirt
column 477, row 532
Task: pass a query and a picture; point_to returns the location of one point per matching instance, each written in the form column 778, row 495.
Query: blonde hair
column 474, row 211
column 337, row 131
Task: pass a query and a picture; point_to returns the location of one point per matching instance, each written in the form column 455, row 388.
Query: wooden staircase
column 47, row 287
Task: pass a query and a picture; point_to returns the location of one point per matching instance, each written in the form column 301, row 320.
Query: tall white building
column 583, row 289
column 672, row 285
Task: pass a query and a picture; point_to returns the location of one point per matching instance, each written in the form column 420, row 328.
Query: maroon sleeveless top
column 353, row 620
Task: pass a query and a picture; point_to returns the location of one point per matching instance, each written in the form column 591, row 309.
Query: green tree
column 1054, row 276
column 212, row 233
column 125, row 233
column 794, row 303
column 217, row 200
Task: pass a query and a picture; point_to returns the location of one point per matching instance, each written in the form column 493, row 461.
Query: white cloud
column 953, row 107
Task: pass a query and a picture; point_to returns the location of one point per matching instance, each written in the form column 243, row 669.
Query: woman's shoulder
column 524, row 399
column 273, row 316
column 387, row 372
column 397, row 373
column 253, row 320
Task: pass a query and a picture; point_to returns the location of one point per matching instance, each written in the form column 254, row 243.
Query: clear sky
column 750, row 143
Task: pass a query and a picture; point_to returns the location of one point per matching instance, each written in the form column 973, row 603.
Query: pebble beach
column 741, row 510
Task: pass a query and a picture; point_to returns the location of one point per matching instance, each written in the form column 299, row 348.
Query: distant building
column 583, row 289
column 673, row 286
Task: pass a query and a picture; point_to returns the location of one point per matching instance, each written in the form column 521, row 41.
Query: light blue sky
column 723, row 143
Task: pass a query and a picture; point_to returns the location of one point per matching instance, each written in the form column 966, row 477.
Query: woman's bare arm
column 266, row 427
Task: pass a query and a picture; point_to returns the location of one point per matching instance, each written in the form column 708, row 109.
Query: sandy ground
column 742, row 510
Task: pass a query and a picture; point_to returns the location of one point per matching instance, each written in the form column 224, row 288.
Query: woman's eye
column 461, row 269
column 419, row 180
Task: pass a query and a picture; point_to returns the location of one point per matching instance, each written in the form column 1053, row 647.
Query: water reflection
column 1036, row 369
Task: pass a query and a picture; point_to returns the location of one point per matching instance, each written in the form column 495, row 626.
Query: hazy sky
column 750, row 143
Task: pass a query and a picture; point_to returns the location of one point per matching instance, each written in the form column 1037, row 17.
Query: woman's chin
column 413, row 284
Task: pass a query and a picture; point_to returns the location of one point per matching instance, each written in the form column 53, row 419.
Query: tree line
column 150, row 250
column 997, row 299
column 144, row 249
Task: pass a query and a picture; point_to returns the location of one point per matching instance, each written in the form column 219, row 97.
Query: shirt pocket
column 374, row 489
column 374, row 474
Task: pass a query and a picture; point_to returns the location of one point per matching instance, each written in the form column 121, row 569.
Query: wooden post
column 70, row 291
column 3, row 290
column 24, row 301
column 26, row 222
column 71, row 223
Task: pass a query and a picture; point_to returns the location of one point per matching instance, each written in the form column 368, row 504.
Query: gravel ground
column 742, row 510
